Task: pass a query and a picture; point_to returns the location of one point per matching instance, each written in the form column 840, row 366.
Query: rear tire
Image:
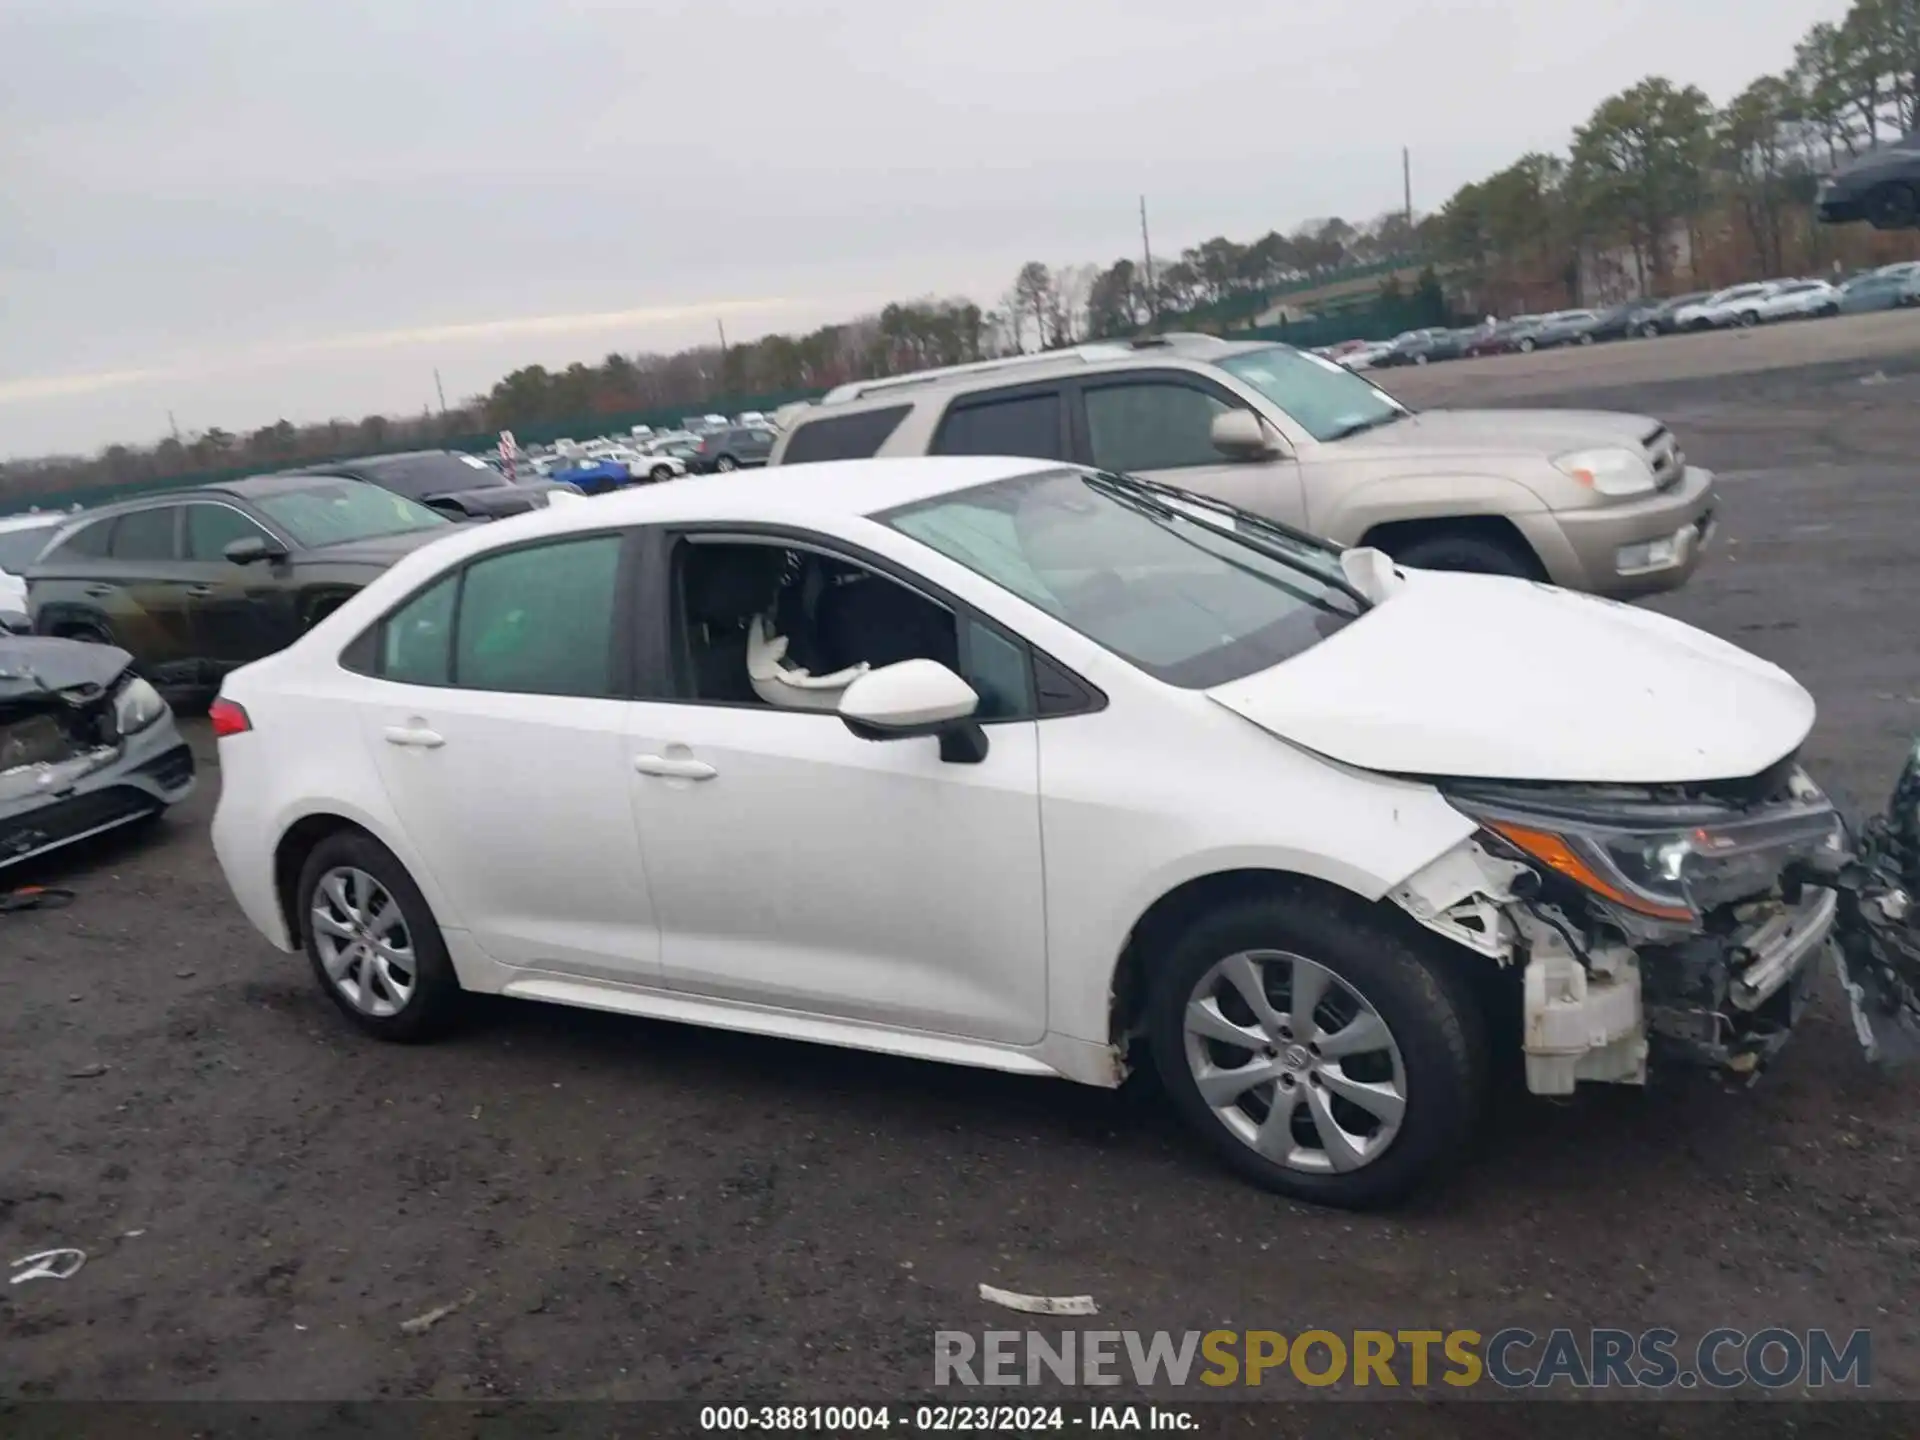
column 726, row 463
column 660, row 473
column 373, row 942
column 1465, row 550
column 1525, row 347
column 1587, row 339
column 1749, row 319
column 1415, row 1095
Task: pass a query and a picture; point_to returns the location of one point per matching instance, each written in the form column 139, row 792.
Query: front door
column 1160, row 425
column 796, row 865
column 498, row 734
column 237, row 613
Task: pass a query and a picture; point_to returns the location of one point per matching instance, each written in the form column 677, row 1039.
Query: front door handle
column 415, row 737
column 99, row 592
column 199, row 592
column 674, row 769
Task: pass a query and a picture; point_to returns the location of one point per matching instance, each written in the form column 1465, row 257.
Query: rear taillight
column 228, row 719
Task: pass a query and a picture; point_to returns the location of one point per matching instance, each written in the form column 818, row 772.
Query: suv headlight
column 136, row 705
column 1614, row 470
column 1666, row 870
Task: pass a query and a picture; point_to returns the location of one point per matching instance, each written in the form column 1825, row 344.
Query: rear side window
column 539, row 621
column 87, row 543
column 844, row 437
column 144, row 535
column 416, row 642
column 1027, row 425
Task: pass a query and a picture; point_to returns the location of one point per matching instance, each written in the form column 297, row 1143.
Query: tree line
column 1659, row 190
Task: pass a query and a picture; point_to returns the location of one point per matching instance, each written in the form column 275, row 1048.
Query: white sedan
column 1798, row 300
column 1010, row 764
column 1736, row 305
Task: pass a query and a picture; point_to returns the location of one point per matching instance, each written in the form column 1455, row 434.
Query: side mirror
column 12, row 622
column 252, row 549
column 1243, row 435
column 915, row 698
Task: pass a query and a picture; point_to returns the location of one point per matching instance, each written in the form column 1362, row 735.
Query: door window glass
column 416, row 640
column 1152, row 425
column 211, row 528
column 1028, row 425
column 144, row 535
column 539, row 621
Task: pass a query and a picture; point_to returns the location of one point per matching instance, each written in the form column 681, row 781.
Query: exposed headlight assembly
column 1672, row 862
column 136, row 705
column 1613, row 470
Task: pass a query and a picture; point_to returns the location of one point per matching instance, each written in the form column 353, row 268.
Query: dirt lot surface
column 640, row 1210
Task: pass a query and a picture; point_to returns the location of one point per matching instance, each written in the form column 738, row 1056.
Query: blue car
column 597, row 478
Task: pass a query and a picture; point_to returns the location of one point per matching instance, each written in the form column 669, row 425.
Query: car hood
column 497, row 500
column 41, row 664
column 1485, row 677
column 381, row 550
column 1459, row 433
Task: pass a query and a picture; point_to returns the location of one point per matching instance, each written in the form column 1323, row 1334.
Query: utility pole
column 721, row 325
column 1146, row 251
column 173, row 425
column 441, row 391
column 1406, row 182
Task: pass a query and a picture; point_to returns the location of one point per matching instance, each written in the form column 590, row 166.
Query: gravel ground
column 640, row 1210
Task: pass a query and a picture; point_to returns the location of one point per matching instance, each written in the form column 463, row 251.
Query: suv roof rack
column 1088, row 353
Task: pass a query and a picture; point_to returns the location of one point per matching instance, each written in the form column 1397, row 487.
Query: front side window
column 1152, row 425
column 336, row 511
column 144, row 535
column 1186, row 599
column 763, row 625
column 1023, row 425
column 540, row 620
column 211, row 528
column 1321, row 396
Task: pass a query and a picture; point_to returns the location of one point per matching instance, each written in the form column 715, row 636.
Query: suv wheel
column 726, row 463
column 375, row 948
column 1316, row 1051
column 1525, row 347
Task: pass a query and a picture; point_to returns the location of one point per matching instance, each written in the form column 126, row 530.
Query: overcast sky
column 236, row 210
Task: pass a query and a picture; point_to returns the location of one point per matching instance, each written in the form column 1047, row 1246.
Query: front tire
column 660, row 473
column 1317, row 1051
column 1749, row 319
column 373, row 942
column 726, row 463
column 1525, row 347
column 1587, row 339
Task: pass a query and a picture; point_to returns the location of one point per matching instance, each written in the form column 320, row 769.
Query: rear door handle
column 674, row 769
column 415, row 737
column 199, row 592
column 99, row 592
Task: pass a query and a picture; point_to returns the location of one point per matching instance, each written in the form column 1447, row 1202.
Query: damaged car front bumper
column 1681, row 923
column 86, row 746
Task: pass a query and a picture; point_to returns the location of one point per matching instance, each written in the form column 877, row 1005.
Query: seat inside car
column 723, row 587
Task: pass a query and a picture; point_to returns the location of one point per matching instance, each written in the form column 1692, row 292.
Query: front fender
column 1430, row 495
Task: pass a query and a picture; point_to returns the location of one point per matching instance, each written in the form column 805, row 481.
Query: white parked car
column 22, row 538
column 1366, row 356
column 1012, row 764
column 1797, row 300
column 1736, row 305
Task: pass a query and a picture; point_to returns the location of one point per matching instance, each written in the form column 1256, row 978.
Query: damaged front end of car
column 85, row 745
column 1680, row 922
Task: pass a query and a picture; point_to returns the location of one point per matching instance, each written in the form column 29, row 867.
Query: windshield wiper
column 1156, row 493
column 1358, row 426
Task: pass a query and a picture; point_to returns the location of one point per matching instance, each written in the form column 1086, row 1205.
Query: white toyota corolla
column 1017, row 765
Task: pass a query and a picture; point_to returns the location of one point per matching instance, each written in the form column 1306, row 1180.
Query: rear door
column 497, row 720
column 1021, row 420
column 1159, row 424
column 142, row 588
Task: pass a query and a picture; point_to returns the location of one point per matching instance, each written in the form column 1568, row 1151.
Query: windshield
column 1322, row 397
column 20, row 548
column 1194, row 602
column 333, row 512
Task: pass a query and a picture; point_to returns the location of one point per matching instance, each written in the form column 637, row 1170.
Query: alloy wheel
column 366, row 948
column 1295, row 1062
